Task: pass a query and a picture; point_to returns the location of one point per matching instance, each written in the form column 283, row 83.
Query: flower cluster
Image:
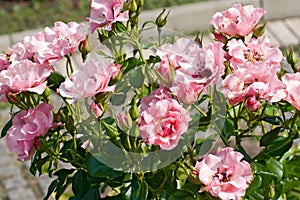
column 133, row 122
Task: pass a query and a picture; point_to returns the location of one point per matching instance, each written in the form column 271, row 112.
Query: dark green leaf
column 80, row 184
column 269, row 137
column 55, row 80
column 51, row 188
column 6, row 128
column 132, row 63
column 136, row 78
column 118, row 99
column 275, row 167
column 255, row 184
column 275, row 120
column 97, row 169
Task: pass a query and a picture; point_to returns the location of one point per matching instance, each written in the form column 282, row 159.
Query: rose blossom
column 92, row 78
column 105, row 13
column 225, row 175
column 292, row 84
column 27, row 126
column 190, row 68
column 4, row 62
column 238, row 20
column 260, row 81
column 255, row 51
column 163, row 120
column 54, row 43
column 25, row 75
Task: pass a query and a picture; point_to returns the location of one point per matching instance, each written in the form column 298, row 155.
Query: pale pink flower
column 163, row 120
column 225, row 175
column 54, row 43
column 190, row 68
column 238, row 20
column 106, row 13
column 255, row 51
column 22, row 50
column 292, row 84
column 25, row 75
column 27, row 127
column 93, row 77
column 260, row 81
column 4, row 62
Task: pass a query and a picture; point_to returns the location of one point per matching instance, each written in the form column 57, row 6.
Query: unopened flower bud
column 140, row 3
column 220, row 37
column 97, row 109
column 252, row 104
column 124, row 121
column 85, row 48
column 132, row 6
column 292, row 59
column 259, row 31
column 134, row 111
column 160, row 20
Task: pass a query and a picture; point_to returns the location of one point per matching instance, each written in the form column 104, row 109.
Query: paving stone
column 14, row 182
column 294, row 25
column 5, row 160
column 281, row 31
column 9, row 170
column 21, row 193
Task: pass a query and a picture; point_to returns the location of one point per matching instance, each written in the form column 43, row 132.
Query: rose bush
column 164, row 118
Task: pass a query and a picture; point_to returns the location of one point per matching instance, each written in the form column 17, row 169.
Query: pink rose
column 25, row 75
column 22, row 50
column 4, row 62
column 106, row 13
column 256, row 51
column 225, row 175
column 93, row 77
column 163, row 120
column 292, row 84
column 258, row 80
column 238, row 20
column 190, row 68
column 27, row 126
column 54, row 43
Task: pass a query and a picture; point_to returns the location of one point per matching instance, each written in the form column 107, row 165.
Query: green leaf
column 55, row 80
column 132, row 63
column 281, row 146
column 275, row 120
column 275, row 167
column 139, row 189
column 97, row 169
column 51, row 189
column 255, row 184
column 181, row 174
column 6, row 128
column 80, row 184
column 269, row 137
column 136, row 78
column 118, row 99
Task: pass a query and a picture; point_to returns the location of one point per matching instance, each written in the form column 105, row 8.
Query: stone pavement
column 283, row 27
